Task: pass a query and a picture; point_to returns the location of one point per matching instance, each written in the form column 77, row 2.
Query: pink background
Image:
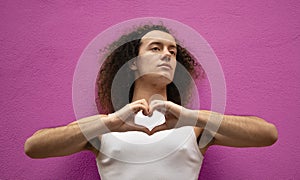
column 257, row 43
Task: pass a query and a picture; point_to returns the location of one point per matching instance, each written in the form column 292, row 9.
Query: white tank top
column 170, row 154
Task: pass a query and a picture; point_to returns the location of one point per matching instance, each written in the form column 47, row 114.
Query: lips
column 165, row 65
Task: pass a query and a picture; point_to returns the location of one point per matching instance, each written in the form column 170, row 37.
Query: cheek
column 149, row 58
column 144, row 63
column 174, row 64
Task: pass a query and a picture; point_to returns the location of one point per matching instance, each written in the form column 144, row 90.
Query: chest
column 139, row 147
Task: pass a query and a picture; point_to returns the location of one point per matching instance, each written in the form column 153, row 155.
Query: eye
column 173, row 52
column 155, row 49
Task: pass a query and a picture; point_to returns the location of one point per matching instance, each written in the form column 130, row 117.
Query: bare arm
column 236, row 131
column 240, row 131
column 75, row 137
column 65, row 140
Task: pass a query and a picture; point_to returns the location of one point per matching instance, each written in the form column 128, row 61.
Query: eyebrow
column 160, row 43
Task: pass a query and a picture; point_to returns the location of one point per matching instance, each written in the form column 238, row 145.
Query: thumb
column 136, row 127
column 159, row 128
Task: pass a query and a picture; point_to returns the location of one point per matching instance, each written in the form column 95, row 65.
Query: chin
column 161, row 79
column 165, row 80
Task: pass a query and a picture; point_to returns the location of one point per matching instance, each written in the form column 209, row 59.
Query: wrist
column 189, row 117
column 111, row 122
column 93, row 126
column 202, row 118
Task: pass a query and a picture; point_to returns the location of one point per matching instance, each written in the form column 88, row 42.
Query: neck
column 147, row 90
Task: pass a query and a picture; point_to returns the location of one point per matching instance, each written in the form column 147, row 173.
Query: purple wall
column 257, row 43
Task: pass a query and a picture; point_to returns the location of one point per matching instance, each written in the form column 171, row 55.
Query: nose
column 166, row 58
column 166, row 55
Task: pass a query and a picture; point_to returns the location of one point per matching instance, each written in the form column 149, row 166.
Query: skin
column 157, row 48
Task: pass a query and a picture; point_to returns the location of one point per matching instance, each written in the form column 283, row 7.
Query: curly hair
column 125, row 49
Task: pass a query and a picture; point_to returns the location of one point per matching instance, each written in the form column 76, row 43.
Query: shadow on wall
column 210, row 168
column 83, row 163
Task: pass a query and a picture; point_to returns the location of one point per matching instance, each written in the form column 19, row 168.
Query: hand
column 123, row 119
column 176, row 115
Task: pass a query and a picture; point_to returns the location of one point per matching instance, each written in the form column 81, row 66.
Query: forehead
column 159, row 36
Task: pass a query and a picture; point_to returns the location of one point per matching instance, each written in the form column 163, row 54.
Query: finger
column 129, row 111
column 159, row 128
column 136, row 127
column 169, row 108
column 157, row 105
column 138, row 107
column 141, row 101
column 144, row 103
column 125, row 113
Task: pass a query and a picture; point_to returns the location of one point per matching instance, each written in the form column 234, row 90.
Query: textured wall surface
column 257, row 43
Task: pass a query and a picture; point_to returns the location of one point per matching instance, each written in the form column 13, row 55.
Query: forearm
column 65, row 140
column 241, row 131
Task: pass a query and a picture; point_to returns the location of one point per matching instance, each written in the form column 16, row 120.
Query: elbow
column 269, row 135
column 29, row 149
column 275, row 133
column 272, row 135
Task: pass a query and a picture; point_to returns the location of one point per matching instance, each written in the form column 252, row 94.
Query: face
column 157, row 57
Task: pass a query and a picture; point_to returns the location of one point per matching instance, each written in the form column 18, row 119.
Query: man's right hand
column 123, row 119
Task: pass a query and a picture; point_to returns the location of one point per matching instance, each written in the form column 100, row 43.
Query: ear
column 132, row 65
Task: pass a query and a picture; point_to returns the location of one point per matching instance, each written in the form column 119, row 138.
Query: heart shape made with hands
column 151, row 122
